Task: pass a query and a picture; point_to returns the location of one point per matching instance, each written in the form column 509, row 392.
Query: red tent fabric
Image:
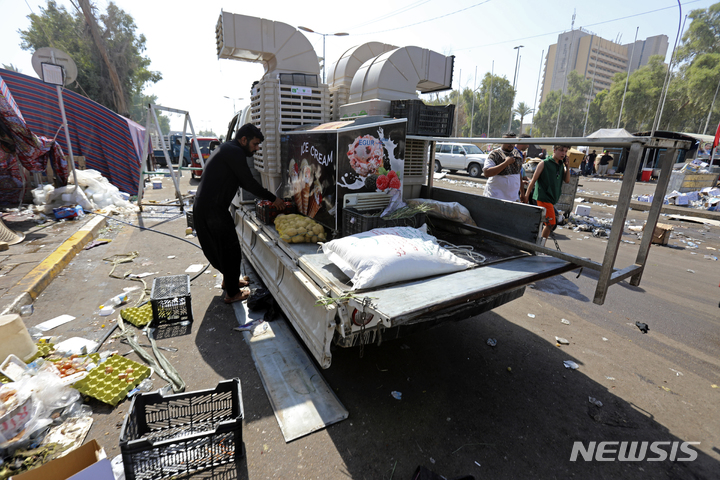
column 20, row 146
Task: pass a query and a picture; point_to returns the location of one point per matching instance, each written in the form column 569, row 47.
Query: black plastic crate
column 190, row 219
column 177, row 435
column 355, row 221
column 170, row 300
column 431, row 120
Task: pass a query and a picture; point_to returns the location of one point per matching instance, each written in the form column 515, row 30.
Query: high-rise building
column 595, row 57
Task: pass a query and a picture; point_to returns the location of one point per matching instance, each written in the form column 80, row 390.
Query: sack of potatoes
column 296, row 228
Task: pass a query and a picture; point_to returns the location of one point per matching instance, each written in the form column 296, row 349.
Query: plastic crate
column 170, row 300
column 355, row 221
column 266, row 213
column 190, row 218
column 431, row 120
column 168, row 436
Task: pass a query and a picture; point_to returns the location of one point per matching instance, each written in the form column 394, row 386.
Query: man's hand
column 279, row 203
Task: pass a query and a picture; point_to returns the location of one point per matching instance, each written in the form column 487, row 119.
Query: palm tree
column 522, row 109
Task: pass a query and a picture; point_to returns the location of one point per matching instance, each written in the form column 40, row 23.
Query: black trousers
column 220, row 245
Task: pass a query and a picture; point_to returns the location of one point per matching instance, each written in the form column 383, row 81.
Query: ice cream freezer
column 321, row 165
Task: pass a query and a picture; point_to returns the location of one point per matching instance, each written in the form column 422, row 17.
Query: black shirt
column 226, row 171
column 605, row 159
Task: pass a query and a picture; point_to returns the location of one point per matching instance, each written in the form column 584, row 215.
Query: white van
column 460, row 156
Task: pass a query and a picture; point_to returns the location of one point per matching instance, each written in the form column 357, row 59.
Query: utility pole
column 567, row 65
column 517, row 59
column 492, row 74
column 472, row 111
column 627, row 79
column 537, row 88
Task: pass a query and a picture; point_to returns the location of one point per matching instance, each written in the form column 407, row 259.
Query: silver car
column 460, row 156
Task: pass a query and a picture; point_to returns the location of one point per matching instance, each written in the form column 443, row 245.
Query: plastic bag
column 31, row 405
column 387, row 255
column 447, row 210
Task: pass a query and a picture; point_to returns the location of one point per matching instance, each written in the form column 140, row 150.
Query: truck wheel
column 474, row 170
column 438, row 167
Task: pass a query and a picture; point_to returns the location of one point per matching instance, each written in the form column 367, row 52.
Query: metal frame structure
column 152, row 118
column 636, row 146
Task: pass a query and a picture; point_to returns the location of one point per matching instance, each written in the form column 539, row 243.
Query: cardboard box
column 575, row 158
column 84, row 463
column 582, row 210
column 661, row 235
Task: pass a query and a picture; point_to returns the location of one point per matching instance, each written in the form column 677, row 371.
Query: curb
column 40, row 277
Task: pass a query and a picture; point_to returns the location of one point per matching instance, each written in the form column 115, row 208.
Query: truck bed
column 298, row 275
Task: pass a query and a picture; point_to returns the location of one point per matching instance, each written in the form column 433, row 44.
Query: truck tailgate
column 409, row 302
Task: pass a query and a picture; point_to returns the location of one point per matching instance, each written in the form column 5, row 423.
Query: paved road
column 512, row 411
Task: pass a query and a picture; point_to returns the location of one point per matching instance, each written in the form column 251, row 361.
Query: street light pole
column 339, row 34
column 517, row 58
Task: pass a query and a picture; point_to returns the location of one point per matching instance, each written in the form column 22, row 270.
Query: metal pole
column 472, row 111
column 65, row 125
column 567, row 65
column 661, row 100
column 324, row 61
column 712, row 105
column 590, row 97
column 537, row 88
column 627, row 79
column 517, row 59
column 490, row 95
column 457, row 110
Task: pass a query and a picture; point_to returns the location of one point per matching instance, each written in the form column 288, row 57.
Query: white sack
column 388, row 255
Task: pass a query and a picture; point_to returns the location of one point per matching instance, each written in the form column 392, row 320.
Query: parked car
column 207, row 145
column 460, row 156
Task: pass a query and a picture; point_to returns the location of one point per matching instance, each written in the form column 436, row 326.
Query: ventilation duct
column 280, row 47
column 343, row 71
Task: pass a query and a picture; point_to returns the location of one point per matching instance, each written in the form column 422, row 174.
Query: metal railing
column 609, row 275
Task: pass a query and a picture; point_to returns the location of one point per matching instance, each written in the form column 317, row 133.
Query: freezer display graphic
column 309, row 164
column 371, row 159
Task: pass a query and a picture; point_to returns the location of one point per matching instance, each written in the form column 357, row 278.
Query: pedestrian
column 604, row 163
column 549, row 176
column 503, row 169
column 224, row 173
column 591, row 163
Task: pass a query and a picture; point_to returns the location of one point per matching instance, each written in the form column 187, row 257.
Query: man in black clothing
column 604, row 163
column 590, row 167
column 224, row 173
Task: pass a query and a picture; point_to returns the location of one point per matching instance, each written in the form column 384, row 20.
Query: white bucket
column 15, row 339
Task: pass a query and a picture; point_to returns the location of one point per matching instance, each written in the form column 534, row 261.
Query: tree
column 11, row 67
column 522, row 109
column 572, row 109
column 56, row 27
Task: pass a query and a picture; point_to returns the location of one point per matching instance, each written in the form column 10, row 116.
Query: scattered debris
column 570, row 364
column 595, row 401
column 531, row 315
column 566, row 322
column 492, row 342
column 396, row 395
column 562, row 341
column 642, row 326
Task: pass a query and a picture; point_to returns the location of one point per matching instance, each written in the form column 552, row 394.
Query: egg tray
column 107, row 387
column 138, row 316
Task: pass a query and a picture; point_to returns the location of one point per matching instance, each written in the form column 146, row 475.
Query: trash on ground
column 194, row 268
column 562, row 341
column 570, row 364
column 691, row 271
column 604, row 339
column 54, row 322
column 565, row 321
column 96, row 243
column 531, row 315
column 76, row 345
column 492, row 342
column 642, row 326
column 610, row 378
column 396, row 395
column 595, row 401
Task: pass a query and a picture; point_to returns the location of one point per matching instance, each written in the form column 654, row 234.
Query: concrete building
column 591, row 55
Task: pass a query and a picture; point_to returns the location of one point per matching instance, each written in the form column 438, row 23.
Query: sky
column 481, row 34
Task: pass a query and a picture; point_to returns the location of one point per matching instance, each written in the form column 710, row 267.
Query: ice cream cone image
column 315, row 202
column 305, row 198
column 306, row 181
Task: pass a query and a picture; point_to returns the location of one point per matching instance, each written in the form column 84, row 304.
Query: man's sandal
column 243, row 294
